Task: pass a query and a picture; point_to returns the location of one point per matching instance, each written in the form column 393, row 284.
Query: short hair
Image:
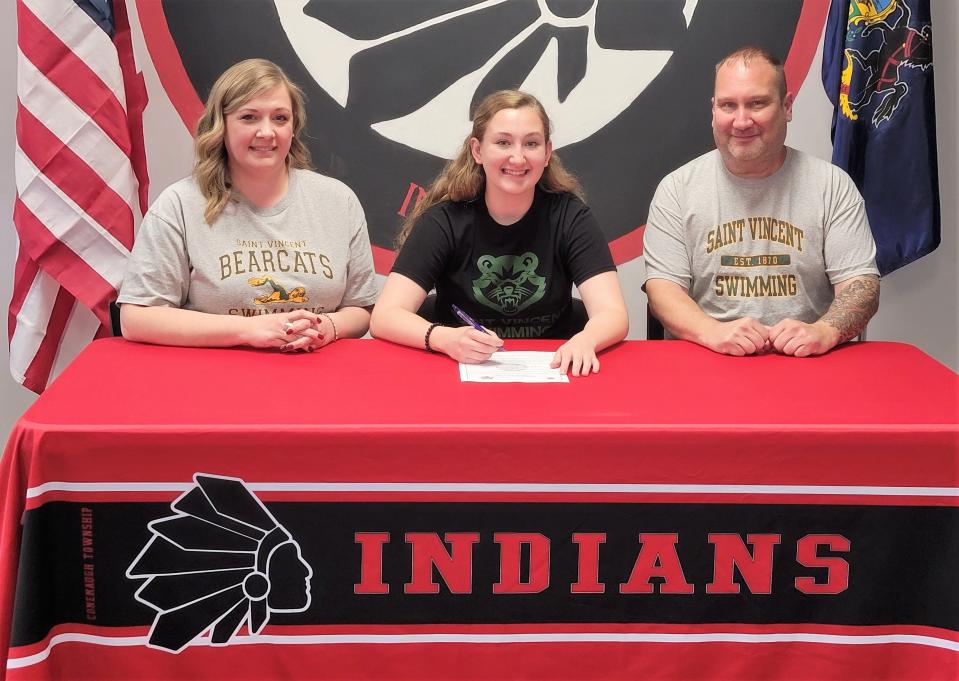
column 747, row 53
column 235, row 87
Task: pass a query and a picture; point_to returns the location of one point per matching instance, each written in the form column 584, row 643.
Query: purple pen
column 469, row 320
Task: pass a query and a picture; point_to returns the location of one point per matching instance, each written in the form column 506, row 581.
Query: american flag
column 81, row 177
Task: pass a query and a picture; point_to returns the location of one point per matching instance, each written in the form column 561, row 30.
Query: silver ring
column 287, row 326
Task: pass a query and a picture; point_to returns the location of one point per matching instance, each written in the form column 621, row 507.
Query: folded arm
column 295, row 330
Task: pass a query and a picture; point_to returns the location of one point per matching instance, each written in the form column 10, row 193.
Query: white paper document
column 514, row 367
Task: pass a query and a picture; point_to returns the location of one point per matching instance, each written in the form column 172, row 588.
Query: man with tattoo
column 756, row 246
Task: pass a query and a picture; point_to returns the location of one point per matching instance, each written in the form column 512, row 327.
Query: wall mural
column 391, row 83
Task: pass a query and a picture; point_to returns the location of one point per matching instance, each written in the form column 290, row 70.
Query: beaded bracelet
column 426, row 339
column 336, row 336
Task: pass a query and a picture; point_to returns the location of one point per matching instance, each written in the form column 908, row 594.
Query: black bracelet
column 426, row 339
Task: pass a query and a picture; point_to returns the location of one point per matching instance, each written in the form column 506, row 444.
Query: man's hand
column 792, row 337
column 684, row 319
column 745, row 336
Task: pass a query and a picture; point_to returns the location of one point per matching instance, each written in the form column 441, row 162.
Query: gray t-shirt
column 309, row 251
column 767, row 248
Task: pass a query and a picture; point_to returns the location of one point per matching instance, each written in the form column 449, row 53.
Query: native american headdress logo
column 221, row 562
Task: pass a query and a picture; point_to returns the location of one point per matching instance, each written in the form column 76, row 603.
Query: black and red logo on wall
column 391, row 83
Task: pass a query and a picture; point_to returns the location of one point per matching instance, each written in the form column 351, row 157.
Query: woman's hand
column 464, row 343
column 577, row 356
column 295, row 330
column 395, row 319
column 325, row 333
column 608, row 324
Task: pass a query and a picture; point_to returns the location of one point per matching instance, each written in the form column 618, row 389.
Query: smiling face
column 750, row 117
column 259, row 133
column 513, row 152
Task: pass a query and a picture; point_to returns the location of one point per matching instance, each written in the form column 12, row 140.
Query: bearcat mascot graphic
column 220, row 562
column 509, row 283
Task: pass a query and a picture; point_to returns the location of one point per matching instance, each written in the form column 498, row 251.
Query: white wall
column 919, row 302
column 13, row 398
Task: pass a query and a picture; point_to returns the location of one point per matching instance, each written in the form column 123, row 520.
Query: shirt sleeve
column 587, row 251
column 849, row 249
column 664, row 242
column 361, row 289
column 158, row 269
column 427, row 250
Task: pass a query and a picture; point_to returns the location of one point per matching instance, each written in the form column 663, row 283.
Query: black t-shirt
column 514, row 280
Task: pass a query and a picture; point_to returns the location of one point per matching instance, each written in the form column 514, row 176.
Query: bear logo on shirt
column 509, row 283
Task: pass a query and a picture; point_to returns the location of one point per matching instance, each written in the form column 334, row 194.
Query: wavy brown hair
column 463, row 178
column 235, row 87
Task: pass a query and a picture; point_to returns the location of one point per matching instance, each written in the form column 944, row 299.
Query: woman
column 503, row 233
column 254, row 248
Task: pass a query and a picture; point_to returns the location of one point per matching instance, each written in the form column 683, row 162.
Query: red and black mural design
column 391, row 82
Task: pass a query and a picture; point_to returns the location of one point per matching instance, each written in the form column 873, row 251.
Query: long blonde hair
column 463, row 178
column 235, row 87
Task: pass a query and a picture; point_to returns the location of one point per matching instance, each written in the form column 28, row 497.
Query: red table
column 680, row 515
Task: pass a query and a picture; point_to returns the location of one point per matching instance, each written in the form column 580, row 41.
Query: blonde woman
column 254, row 248
column 503, row 234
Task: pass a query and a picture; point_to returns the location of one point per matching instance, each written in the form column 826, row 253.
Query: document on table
column 514, row 367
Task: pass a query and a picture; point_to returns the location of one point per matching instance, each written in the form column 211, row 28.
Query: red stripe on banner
column 135, row 91
column 71, row 174
column 544, row 627
column 72, row 76
column 809, row 28
column 587, row 627
column 60, row 262
column 290, row 631
column 659, row 661
column 614, row 497
column 833, row 458
column 37, row 374
column 19, row 652
column 102, row 497
column 137, row 497
column 12, row 475
column 168, row 64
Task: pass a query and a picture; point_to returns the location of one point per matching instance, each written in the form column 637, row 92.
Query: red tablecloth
column 679, row 515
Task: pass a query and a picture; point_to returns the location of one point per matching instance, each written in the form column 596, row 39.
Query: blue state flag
column 877, row 70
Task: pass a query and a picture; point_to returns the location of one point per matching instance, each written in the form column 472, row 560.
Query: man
column 756, row 246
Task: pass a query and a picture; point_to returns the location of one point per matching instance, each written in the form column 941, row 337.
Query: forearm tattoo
column 853, row 307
